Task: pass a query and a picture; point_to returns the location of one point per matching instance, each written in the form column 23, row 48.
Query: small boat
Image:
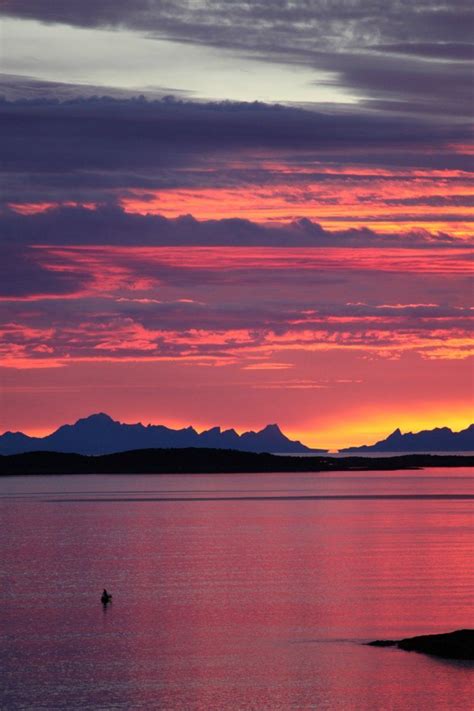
column 106, row 597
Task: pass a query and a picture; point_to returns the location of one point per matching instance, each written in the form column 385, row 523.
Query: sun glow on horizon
column 370, row 428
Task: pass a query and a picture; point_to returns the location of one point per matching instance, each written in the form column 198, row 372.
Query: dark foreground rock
column 450, row 645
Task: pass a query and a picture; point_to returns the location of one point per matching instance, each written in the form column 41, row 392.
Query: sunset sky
column 237, row 214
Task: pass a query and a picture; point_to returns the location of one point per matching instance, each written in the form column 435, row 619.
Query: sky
column 237, row 214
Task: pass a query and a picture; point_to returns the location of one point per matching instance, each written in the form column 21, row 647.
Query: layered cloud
column 192, row 260
column 93, row 284
column 266, row 162
column 113, row 225
column 394, row 55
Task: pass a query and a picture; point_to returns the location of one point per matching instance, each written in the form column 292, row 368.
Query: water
column 224, row 603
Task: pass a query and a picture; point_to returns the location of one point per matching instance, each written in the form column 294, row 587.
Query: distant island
column 440, row 439
column 211, row 461
column 100, row 434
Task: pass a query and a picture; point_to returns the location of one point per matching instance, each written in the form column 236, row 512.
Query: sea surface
column 251, row 591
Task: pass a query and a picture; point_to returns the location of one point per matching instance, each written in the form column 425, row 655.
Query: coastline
column 211, row 461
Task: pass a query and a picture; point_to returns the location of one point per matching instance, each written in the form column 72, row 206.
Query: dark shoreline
column 450, row 645
column 211, row 461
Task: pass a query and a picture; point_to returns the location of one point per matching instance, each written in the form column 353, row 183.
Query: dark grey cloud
column 409, row 85
column 17, row 87
column 111, row 225
column 35, row 260
column 87, row 149
column 233, row 23
column 22, row 274
column 458, row 51
column 196, row 127
column 334, row 35
column 404, row 79
column 434, row 201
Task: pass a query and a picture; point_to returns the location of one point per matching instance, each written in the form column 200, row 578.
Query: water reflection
column 236, row 604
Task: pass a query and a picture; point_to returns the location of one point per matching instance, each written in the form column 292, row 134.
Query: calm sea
column 234, row 591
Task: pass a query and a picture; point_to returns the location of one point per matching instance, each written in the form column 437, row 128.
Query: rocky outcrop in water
column 450, row 645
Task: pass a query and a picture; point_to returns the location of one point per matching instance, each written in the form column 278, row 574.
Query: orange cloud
column 338, row 198
column 115, row 268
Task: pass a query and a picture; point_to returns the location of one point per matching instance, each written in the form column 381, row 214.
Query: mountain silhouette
column 440, row 439
column 100, row 434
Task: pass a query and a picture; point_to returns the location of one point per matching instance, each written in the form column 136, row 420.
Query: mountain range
column 440, row 439
column 100, row 434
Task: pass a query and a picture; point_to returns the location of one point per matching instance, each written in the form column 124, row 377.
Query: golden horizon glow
column 370, row 429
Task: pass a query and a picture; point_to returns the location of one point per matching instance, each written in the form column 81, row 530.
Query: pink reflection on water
column 234, row 604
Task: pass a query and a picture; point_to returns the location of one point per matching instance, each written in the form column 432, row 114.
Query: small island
column 450, row 645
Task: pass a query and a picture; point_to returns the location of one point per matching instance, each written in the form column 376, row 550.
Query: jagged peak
column 94, row 421
column 96, row 417
column 272, row 428
column 212, row 430
column 398, row 431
